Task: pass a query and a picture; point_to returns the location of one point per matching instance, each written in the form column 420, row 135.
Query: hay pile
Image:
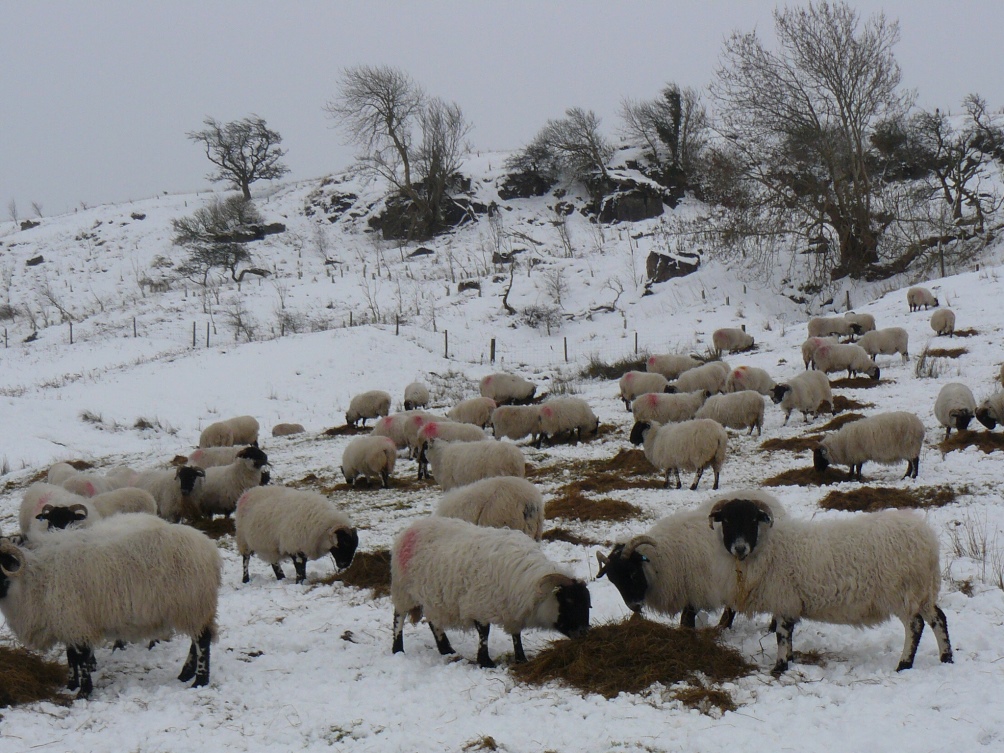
column 807, row 477
column 26, row 677
column 563, row 534
column 368, row 570
column 215, row 528
column 840, row 421
column 842, row 404
column 946, row 352
column 573, row 505
column 346, row 431
column 986, row 441
column 859, row 383
column 872, row 498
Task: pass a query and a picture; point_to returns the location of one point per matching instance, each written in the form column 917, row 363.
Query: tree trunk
column 246, row 190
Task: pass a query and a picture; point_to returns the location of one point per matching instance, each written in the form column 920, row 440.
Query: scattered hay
column 26, row 678
column 179, row 460
column 368, row 570
column 872, row 498
column 563, row 534
column 597, row 369
column 81, row 465
column 838, row 421
column 966, row 332
column 987, row 441
column 807, row 477
column 572, row 505
column 215, row 528
column 947, row 352
column 791, row 444
column 842, row 404
column 482, row 743
column 346, row 431
column 630, row 462
column 859, row 383
column 630, row 656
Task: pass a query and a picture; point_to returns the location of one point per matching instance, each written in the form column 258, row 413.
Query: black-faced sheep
column 691, row 445
column 635, row 383
column 955, row 407
column 886, row 342
column 991, row 411
column 943, row 322
column 808, row 392
column 507, row 389
column 370, row 457
column 671, row 365
column 884, row 438
column 736, row 410
column 865, row 322
column 917, row 297
column 174, row 490
column 224, row 484
column 460, row 463
column 498, row 502
column 87, row 512
column 40, row 495
column 372, row 404
column 664, row 408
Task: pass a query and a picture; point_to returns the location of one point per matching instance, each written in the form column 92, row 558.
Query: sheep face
column 188, row 476
column 740, row 520
column 984, row 417
column 256, row 456
column 875, row 374
column 58, row 516
column 345, row 547
column 820, row 459
column 573, row 608
column 638, row 432
column 961, row 417
column 777, row 394
column 627, row 573
column 670, row 390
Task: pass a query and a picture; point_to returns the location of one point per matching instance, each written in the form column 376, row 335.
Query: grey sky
column 97, row 96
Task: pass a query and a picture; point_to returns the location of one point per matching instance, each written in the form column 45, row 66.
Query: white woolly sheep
column 691, row 445
column 460, row 575
column 474, row 410
column 810, row 345
column 858, row 570
column 447, row 431
column 664, row 409
column 854, row 358
column 917, row 297
column 808, row 392
column 224, row 484
column 37, row 497
column 242, row 430
column 507, row 389
column 370, row 457
column 991, row 411
column 884, row 438
column 711, row 377
column 635, row 383
column 87, row 512
column 89, row 483
column 736, row 410
column 943, row 322
column 456, row 464
column 372, row 404
column 671, row 365
column 498, row 502
column 287, row 430
column 821, row 326
column 396, row 427
column 129, row 578
column 416, row 395
column 955, row 407
column 276, row 521
column 886, row 342
column 561, row 415
column 749, row 378
column 210, row 457
column 59, row 472
column 865, row 322
column 731, row 339
column 516, row 421
column 174, row 490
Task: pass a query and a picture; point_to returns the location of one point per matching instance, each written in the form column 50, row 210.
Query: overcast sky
column 96, row 97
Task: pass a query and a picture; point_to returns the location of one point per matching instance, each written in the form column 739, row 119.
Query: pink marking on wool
column 42, row 502
column 547, row 411
column 738, row 373
column 430, row 430
column 89, row 489
column 651, row 361
column 195, row 456
column 488, row 380
column 651, row 398
column 629, row 377
column 242, row 500
column 404, row 553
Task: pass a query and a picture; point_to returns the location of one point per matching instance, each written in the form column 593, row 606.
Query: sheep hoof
column 904, row 665
column 946, row 658
column 780, row 668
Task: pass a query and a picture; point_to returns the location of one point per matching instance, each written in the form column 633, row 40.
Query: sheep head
column 188, row 476
column 638, row 432
column 984, row 417
column 11, row 563
column 624, row 566
column 741, row 520
column 58, row 516
column 961, row 418
column 567, row 602
column 820, row 458
column 346, row 540
column 777, row 394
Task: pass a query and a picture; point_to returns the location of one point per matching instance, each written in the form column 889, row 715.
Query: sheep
column 731, row 339
column 370, row 457
column 821, row 326
column 412, row 425
column 416, row 395
column 393, row 426
column 710, row 377
column 275, row 522
column 516, row 421
column 566, row 414
column 40, row 495
column 671, row 365
column 690, row 445
column 460, row 463
column 749, row 378
column 917, row 297
column 498, row 502
column 174, row 490
column 286, row 430
column 88, row 511
column 89, row 483
column 886, row 342
column 507, row 389
column 241, row 430
column 372, row 404
column 859, row 571
column 737, row 410
column 676, row 566
column 991, row 411
column 210, row 457
column 884, row 438
column 943, row 322
column 447, row 431
column 810, row 345
column 807, row 392
column 635, row 383
column 665, row 409
column 854, row 358
column 865, row 322
column 460, row 575
column 130, row 577
column 1000, row 375
column 59, row 472
column 224, row 484
column 475, row 410
column 955, row 407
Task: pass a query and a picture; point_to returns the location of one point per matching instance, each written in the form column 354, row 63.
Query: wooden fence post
column 193, row 334
column 566, row 348
column 446, row 343
column 491, row 351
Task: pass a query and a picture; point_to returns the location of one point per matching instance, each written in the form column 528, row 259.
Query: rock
column 662, row 267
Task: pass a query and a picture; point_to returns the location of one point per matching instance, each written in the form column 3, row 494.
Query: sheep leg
column 300, row 565
column 517, row 648
column 399, row 618
column 277, row 569
column 246, row 577
column 688, row 617
column 442, row 642
column 679, row 483
column 197, row 664
column 785, row 630
column 697, row 479
column 727, row 618
column 386, row 478
column 484, row 660
column 718, row 473
column 914, row 629
column 81, row 661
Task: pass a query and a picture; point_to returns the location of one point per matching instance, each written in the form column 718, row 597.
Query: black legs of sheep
column 197, row 664
column 939, row 624
column 82, row 663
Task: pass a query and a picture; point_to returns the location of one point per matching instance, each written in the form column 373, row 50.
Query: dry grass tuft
column 842, row 404
column 26, row 678
column 630, row 462
column 346, row 431
column 215, row 528
column 368, row 570
column 631, row 656
column 966, row 332
column 573, row 505
column 807, row 477
column 872, row 498
column 838, row 421
column 859, row 383
column 987, row 441
column 179, row 460
column 946, row 352
column 791, row 444
column 563, row 534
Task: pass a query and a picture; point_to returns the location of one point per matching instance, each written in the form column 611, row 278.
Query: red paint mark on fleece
column 409, row 543
column 243, row 498
column 651, row 398
column 547, row 411
column 651, row 361
column 430, row 430
column 89, row 489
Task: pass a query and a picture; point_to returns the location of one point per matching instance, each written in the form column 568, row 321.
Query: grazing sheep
column 224, row 484
column 498, row 502
column 89, row 483
column 691, row 445
column 635, row 383
column 807, row 392
column 36, row 498
column 370, row 457
column 242, row 430
column 671, row 365
column 865, row 322
column 475, row 410
column 858, row 570
column 854, row 358
column 661, row 408
column 416, row 395
column 460, row 463
column 737, row 410
column 460, row 575
column 174, row 490
column 516, row 421
column 886, row 342
column 918, row 297
column 955, row 407
column 566, row 414
column 749, row 378
column 991, row 411
column 821, row 326
column 810, row 345
column 943, row 322
column 59, row 472
column 413, row 424
column 372, row 404
column 276, row 521
column 447, row 431
column 731, row 339
column 507, row 389
column 884, row 438
column 711, row 377
column 286, row 430
column 130, row 577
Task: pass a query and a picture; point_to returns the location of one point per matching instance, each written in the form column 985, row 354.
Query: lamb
column 242, row 430
column 224, row 484
column 943, row 322
column 447, row 431
column 173, row 490
column 275, row 522
column 370, row 457
column 691, row 445
column 731, row 339
column 749, row 378
column 130, row 577
column 664, row 409
column 416, row 395
column 710, row 377
column 460, row 575
column 807, row 392
column 516, row 421
column 858, row 570
column 865, row 322
column 918, row 297
column 475, row 410
column 566, row 414
column 955, row 407
column 991, row 411
column 287, row 429
column 854, row 358
column 821, row 326
column 884, row 438
column 635, row 383
column 886, row 342
column 460, row 463
column 736, row 410
column 507, row 389
column 372, row 404
column 671, row 365
column 498, row 502
column 810, row 345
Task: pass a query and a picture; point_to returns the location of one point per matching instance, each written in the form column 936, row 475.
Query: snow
column 310, row 667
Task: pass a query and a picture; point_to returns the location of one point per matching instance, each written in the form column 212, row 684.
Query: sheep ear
column 551, row 583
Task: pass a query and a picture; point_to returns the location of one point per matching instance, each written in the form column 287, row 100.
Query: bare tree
column 212, row 237
column 36, row 207
column 12, row 211
column 244, row 151
column 673, row 127
column 576, row 144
